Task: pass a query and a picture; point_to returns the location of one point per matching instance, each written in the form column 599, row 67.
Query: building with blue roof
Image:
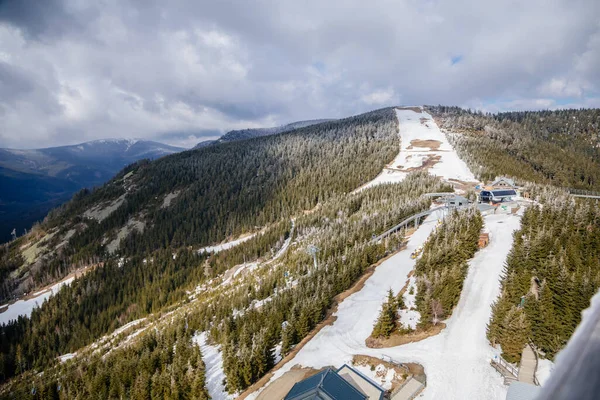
column 344, row 384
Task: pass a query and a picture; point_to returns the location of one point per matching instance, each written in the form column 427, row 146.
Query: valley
column 34, row 181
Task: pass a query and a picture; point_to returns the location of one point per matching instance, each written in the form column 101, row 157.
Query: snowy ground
column 213, row 361
column 456, row 361
column 381, row 375
column 545, row 368
column 410, row 318
column 421, row 126
column 227, row 245
column 25, row 307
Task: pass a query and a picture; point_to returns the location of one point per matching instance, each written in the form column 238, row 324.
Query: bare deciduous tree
column 437, row 310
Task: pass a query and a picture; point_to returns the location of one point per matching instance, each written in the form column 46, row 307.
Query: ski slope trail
column 456, row 361
column 423, row 146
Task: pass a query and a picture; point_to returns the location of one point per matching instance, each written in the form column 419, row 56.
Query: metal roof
column 503, row 192
column 326, row 382
column 522, row 391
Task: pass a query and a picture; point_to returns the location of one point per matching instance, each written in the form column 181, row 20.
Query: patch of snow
column 126, row 326
column 26, row 306
column 257, row 304
column 213, row 361
column 456, row 360
column 66, row 357
column 286, row 243
column 409, row 317
column 544, row 370
column 278, row 356
column 226, row 246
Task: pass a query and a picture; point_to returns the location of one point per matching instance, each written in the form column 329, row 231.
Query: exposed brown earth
column 429, row 143
column 405, row 287
column 431, row 160
column 397, row 339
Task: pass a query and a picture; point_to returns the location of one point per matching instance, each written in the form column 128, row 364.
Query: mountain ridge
column 250, row 133
column 37, row 180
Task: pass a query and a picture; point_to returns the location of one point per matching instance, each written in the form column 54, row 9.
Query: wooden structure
column 508, row 371
column 484, row 240
column 524, row 373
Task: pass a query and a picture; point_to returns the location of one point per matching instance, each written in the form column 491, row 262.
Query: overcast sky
column 184, row 71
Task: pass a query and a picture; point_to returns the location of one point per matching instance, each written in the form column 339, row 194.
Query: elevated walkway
column 528, row 366
column 526, row 371
column 504, row 368
column 412, row 219
column 588, row 194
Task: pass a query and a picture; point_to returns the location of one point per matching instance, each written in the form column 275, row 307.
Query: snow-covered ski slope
column 456, row 361
column 423, row 146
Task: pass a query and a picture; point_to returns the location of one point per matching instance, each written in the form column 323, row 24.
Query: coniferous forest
column 560, row 148
column 552, row 272
column 442, row 268
column 440, row 272
column 293, row 192
column 280, row 302
column 220, row 191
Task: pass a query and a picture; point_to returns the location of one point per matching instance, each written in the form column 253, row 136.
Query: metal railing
column 583, row 193
column 506, row 366
column 535, row 353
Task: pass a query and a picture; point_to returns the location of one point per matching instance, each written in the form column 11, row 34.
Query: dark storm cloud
column 37, row 19
column 84, row 70
column 13, row 84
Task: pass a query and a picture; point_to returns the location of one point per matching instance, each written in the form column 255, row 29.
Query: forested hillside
column 560, row 147
column 279, row 302
column 442, row 268
column 553, row 269
column 34, row 181
column 552, row 272
column 214, row 193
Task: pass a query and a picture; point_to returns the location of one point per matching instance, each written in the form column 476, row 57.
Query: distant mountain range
column 35, row 181
column 244, row 134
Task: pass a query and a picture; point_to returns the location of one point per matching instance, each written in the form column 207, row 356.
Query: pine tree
column 387, row 321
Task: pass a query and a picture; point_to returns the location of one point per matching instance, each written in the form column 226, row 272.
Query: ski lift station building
column 497, row 195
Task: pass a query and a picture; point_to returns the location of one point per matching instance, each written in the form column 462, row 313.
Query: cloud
column 561, row 87
column 380, row 97
column 74, row 70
